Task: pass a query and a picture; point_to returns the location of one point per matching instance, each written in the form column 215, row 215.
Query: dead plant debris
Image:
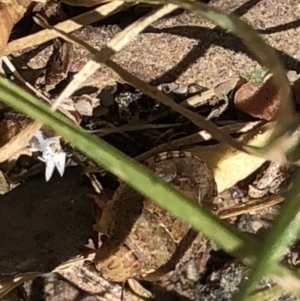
column 195, row 67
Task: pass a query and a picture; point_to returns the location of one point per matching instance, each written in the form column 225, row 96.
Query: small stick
column 250, row 206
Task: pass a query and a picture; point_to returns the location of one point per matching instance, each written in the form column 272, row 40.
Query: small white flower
column 52, row 153
column 53, row 156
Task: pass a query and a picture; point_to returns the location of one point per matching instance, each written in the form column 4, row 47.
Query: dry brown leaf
column 18, row 142
column 8, row 130
column 258, row 100
column 4, row 185
column 11, row 11
column 230, row 165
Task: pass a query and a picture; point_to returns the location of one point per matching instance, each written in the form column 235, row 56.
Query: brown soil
column 187, row 49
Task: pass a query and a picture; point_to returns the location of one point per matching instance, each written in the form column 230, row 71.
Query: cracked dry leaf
column 230, row 165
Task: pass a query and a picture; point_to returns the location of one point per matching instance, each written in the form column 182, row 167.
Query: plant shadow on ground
column 44, row 224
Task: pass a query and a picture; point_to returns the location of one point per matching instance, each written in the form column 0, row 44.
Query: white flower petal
column 36, row 141
column 50, row 166
column 60, row 162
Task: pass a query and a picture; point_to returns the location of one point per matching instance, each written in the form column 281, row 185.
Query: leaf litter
column 224, row 65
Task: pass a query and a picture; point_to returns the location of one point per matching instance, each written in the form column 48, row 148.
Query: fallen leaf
column 8, row 129
column 11, row 11
column 18, row 142
column 259, row 100
column 4, row 185
column 230, row 165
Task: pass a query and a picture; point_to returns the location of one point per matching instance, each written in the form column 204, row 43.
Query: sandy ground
column 187, row 49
